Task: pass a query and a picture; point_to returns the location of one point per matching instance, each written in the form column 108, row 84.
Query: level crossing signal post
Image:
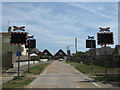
column 91, row 43
column 31, row 43
column 18, row 37
column 105, row 37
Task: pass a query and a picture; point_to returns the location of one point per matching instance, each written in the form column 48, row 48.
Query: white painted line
column 78, row 87
column 88, row 78
column 44, row 72
column 96, row 84
column 92, row 82
column 76, row 71
column 8, row 70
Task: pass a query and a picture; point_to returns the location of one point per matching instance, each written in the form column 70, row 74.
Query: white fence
column 24, row 63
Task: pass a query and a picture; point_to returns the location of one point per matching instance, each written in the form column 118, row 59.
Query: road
column 62, row 75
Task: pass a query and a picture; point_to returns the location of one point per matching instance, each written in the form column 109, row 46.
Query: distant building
column 60, row 54
column 46, row 52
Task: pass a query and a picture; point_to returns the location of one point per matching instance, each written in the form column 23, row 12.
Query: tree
column 79, row 56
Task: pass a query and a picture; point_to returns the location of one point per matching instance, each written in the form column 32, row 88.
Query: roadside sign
column 18, row 53
column 105, row 38
column 90, row 44
column 31, row 43
column 18, row 37
column 19, row 49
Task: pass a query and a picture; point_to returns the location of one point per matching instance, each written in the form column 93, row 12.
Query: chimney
column 9, row 29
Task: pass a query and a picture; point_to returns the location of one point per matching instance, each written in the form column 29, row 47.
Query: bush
column 17, row 78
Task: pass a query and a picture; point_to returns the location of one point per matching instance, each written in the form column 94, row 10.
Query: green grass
column 81, row 67
column 17, row 83
column 37, row 69
column 108, row 78
column 86, row 69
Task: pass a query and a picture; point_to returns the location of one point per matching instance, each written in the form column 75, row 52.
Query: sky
column 55, row 25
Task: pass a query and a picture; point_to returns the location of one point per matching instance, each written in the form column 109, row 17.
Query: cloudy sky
column 56, row 24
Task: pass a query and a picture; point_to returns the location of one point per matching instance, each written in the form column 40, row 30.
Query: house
column 8, row 54
column 60, row 54
column 116, row 53
column 46, row 52
column 99, row 53
column 24, row 54
column 36, row 51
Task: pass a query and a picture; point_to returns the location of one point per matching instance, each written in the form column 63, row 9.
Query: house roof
column 63, row 53
column 46, row 52
column 117, row 49
column 37, row 51
column 101, row 51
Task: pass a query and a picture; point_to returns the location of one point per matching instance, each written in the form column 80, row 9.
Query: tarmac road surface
column 62, row 75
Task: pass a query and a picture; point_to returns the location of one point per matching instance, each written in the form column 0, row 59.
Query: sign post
column 18, row 54
column 18, row 38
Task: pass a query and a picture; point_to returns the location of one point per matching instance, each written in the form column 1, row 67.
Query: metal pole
column 29, row 56
column 18, row 63
column 118, row 71
column 105, row 62
column 28, row 62
column 91, row 58
column 18, row 66
column 76, row 45
column 67, row 52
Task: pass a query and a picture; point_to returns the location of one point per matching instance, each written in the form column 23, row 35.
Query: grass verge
column 21, row 83
column 37, row 69
column 107, row 78
column 81, row 67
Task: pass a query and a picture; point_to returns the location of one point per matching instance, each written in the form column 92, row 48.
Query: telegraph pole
column 76, row 45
